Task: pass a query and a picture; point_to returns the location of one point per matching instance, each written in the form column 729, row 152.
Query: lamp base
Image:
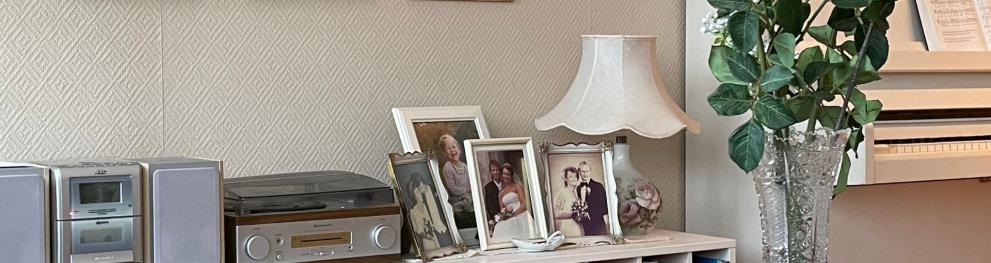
column 639, row 200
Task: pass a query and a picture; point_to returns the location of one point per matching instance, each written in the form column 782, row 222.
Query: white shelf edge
column 938, row 62
column 681, row 243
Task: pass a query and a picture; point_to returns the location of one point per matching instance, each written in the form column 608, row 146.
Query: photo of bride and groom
column 579, row 204
column 505, row 197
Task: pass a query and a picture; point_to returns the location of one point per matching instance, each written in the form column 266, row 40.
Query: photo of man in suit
column 491, row 191
column 594, row 194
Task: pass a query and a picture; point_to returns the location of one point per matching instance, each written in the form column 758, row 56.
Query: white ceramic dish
column 552, row 242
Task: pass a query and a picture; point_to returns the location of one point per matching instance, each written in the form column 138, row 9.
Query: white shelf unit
column 938, row 62
column 680, row 248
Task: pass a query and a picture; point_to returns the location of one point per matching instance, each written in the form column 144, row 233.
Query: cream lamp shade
column 618, row 87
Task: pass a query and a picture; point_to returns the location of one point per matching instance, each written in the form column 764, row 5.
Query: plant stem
column 852, row 81
column 808, row 23
column 812, row 119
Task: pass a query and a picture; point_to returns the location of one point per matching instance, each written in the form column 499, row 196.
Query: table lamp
column 618, row 87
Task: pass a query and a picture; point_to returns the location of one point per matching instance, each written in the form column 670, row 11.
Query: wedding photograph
column 506, row 190
column 434, row 232
column 578, row 198
column 581, row 189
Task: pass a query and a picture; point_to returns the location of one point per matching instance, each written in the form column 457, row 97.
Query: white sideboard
column 678, row 247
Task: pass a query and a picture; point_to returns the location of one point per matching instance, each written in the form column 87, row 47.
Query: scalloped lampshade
column 618, row 87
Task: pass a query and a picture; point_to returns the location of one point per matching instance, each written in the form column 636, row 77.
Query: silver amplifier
column 305, row 217
column 316, row 240
column 96, row 211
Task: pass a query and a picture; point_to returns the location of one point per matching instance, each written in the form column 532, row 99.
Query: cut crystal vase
column 794, row 184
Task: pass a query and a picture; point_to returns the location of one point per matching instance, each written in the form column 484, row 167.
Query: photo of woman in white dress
column 514, row 219
column 425, row 215
column 568, row 205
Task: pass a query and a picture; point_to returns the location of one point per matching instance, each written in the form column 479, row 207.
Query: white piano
column 926, row 135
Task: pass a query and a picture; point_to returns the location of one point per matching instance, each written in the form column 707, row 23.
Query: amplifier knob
column 257, row 247
column 384, row 236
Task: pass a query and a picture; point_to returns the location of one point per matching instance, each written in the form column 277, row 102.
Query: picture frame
column 566, row 166
column 520, row 214
column 415, row 180
column 430, row 130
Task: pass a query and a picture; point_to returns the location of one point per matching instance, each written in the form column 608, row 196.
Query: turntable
column 311, row 216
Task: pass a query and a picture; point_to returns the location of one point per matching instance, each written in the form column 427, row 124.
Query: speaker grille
column 185, row 215
column 22, row 218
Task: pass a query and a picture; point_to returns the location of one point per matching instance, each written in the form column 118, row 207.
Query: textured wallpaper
column 275, row 86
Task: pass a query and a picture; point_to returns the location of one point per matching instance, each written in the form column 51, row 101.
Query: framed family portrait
column 421, row 196
column 505, row 189
column 582, row 192
column 441, row 131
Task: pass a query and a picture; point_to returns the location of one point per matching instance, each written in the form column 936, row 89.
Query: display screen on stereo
column 93, row 193
column 319, row 240
column 107, row 235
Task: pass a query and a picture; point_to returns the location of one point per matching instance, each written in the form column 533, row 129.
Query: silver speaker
column 183, row 210
column 23, row 213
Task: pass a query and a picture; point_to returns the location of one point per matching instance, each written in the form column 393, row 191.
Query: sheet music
column 957, row 24
column 984, row 14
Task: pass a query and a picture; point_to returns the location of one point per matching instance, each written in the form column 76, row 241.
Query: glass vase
column 794, row 184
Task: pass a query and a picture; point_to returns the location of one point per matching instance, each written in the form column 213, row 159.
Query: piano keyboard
column 964, row 146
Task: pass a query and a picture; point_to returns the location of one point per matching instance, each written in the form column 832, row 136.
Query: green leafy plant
column 756, row 60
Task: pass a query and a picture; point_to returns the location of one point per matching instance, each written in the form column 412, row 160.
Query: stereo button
column 257, row 247
column 384, row 236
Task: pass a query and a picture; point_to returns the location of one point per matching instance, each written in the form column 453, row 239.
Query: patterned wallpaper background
column 275, row 86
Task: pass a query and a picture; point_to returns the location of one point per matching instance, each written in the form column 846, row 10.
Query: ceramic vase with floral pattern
column 639, row 200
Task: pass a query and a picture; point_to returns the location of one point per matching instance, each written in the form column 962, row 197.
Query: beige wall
column 295, row 85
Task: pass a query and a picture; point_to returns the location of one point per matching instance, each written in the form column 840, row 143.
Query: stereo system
column 311, row 216
column 96, row 211
column 172, row 210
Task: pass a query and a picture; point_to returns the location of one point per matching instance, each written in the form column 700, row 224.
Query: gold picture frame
column 422, row 199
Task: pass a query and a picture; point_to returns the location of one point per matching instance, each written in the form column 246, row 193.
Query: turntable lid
column 298, row 184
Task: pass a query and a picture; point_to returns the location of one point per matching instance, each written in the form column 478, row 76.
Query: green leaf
column 773, row 58
column 867, row 112
column 775, row 78
column 835, row 57
column 824, row 34
column 719, row 64
column 734, row 5
column 850, row 47
column 879, row 10
column 851, row 3
column 784, row 46
column 828, row 116
column 730, row 99
column 826, row 93
column 844, row 175
column 744, row 67
column 804, row 107
column 744, row 28
column 816, row 70
column 877, row 46
column 853, row 142
column 809, row 55
column 867, row 74
column 843, row 19
column 771, row 112
column 791, row 15
column 746, row 145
